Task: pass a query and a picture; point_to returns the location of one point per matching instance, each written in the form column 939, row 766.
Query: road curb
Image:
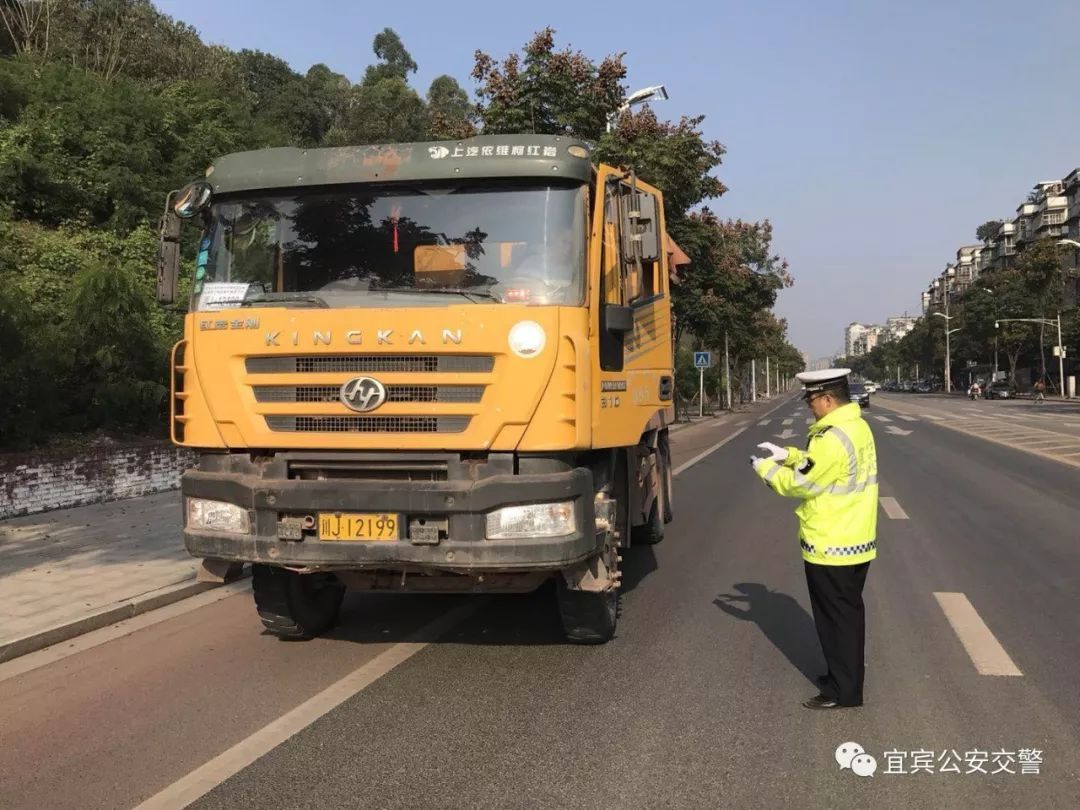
column 144, row 603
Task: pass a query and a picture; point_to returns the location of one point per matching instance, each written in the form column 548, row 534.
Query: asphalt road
column 696, row 703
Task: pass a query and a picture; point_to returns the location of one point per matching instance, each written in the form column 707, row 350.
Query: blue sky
column 875, row 135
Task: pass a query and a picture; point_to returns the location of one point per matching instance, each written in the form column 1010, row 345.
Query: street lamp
column 991, row 292
column 657, row 93
column 1061, row 347
column 948, row 352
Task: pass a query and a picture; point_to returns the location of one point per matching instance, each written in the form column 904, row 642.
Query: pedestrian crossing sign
column 702, row 359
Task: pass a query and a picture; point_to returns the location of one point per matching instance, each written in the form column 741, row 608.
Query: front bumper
column 471, row 490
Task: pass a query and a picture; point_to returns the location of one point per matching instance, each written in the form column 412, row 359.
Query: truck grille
column 368, row 424
column 395, row 393
column 371, row 364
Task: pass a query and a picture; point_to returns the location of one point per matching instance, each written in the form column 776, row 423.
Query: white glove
column 755, row 462
column 776, row 453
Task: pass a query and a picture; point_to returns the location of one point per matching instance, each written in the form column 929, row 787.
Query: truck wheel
column 296, row 606
column 651, row 533
column 587, row 617
column 666, row 477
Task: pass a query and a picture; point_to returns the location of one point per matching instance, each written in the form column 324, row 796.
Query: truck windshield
column 395, row 246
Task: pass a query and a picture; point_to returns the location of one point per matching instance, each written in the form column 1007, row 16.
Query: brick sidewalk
column 59, row 567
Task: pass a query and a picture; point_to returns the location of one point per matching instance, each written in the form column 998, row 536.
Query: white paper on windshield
column 220, row 294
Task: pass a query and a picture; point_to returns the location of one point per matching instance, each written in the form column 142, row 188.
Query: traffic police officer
column 836, row 480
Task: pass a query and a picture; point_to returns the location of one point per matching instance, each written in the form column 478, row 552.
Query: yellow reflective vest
column 836, row 478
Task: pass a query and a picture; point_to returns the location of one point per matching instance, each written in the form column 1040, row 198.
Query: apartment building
column 853, row 337
column 897, row 326
column 967, row 267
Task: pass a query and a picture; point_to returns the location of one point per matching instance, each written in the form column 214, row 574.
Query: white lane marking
column 893, row 509
column 985, row 651
column 787, row 422
column 932, row 416
column 882, row 418
column 205, row 778
column 743, row 423
column 763, row 422
column 908, row 418
column 1072, row 424
column 893, row 430
column 705, row 454
column 64, row 649
column 810, row 420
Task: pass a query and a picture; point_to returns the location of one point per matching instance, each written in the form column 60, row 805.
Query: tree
column 547, row 91
column 383, row 108
column 986, row 232
column 451, row 116
column 395, row 62
column 27, row 25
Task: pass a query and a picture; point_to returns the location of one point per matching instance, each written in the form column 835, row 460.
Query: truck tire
column 587, row 617
column 652, row 532
column 666, row 477
column 296, row 606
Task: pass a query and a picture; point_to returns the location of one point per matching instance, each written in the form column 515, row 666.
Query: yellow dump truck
column 437, row 367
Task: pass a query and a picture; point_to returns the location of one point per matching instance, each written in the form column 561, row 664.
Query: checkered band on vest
column 806, row 546
column 851, row 551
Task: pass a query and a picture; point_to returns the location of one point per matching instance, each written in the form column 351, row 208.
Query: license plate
column 359, row 527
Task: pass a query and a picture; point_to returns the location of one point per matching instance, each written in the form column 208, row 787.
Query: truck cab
column 434, row 367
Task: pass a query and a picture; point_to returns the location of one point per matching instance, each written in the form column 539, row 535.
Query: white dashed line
column 882, row 418
column 932, row 416
column 893, row 509
column 787, row 422
column 205, row 778
column 810, row 420
column 763, row 422
column 700, row 456
column 986, row 652
column 908, row 418
column 743, row 423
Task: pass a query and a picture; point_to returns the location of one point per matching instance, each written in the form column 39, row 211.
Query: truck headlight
column 532, row 520
column 526, row 338
column 217, row 516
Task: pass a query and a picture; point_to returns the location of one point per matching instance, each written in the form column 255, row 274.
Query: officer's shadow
column 783, row 621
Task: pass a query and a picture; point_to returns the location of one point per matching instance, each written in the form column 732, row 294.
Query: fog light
column 217, row 516
column 532, row 520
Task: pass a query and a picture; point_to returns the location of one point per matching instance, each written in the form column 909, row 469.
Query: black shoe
column 822, row 702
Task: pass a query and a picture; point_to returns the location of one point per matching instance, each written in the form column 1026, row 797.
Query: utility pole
column 753, row 380
column 766, row 376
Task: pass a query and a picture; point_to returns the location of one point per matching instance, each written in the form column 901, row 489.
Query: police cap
column 831, row 379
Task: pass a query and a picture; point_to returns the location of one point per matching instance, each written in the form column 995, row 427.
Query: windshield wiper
column 284, row 298
column 473, row 295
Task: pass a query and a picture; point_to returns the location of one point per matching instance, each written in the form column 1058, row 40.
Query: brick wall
column 38, row 482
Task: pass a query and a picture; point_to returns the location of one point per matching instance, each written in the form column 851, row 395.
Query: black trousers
column 836, row 598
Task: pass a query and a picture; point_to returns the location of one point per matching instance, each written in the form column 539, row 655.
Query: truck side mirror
column 648, row 228
column 168, row 262
column 618, row 318
column 640, row 229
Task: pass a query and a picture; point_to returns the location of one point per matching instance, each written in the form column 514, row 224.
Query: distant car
column 923, row 388
column 871, row 388
column 998, row 390
column 859, row 394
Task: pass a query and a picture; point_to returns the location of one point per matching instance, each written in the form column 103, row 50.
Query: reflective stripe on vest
column 841, row 551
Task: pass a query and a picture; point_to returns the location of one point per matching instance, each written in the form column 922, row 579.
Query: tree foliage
column 106, row 105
